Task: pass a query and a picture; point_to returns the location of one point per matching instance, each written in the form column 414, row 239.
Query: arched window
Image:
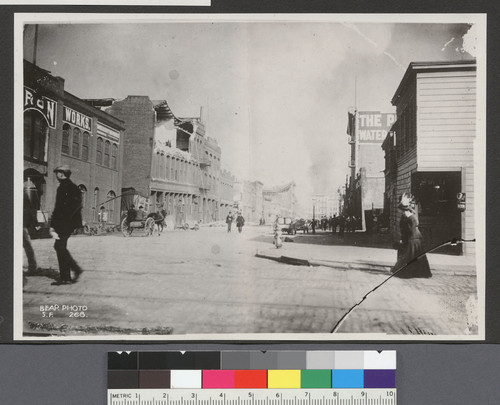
column 83, row 190
column 110, row 206
column 98, row 155
column 65, row 139
column 85, row 146
column 36, row 134
column 96, row 201
column 114, row 156
column 107, row 151
column 75, row 150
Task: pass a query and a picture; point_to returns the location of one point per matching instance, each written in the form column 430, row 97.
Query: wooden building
column 430, row 150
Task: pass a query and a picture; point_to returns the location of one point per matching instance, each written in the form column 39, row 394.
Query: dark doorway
column 439, row 217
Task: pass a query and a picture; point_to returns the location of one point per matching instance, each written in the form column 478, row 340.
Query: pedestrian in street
column 30, row 198
column 229, row 221
column 131, row 214
column 66, row 217
column 278, row 240
column 240, row 221
column 411, row 247
column 141, row 214
column 341, row 226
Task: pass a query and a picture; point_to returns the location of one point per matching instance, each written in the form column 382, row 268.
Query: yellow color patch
column 283, row 379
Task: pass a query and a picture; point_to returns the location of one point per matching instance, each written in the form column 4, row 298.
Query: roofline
column 417, row 67
column 98, row 113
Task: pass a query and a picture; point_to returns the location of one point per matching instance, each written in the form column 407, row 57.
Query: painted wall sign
column 78, row 119
column 374, row 125
column 108, row 132
column 46, row 106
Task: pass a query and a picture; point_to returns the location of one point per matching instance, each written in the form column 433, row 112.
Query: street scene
column 150, row 286
column 271, row 179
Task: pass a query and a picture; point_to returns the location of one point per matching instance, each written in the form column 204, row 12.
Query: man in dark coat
column 66, row 217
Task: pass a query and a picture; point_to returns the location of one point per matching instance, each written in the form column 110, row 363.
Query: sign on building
column 78, row 119
column 374, row 125
column 44, row 105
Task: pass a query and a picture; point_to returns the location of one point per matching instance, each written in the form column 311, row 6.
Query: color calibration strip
column 252, row 370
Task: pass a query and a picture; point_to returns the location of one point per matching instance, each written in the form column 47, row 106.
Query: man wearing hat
column 66, row 217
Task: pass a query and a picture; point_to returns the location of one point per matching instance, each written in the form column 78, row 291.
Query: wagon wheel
column 149, row 226
column 126, row 230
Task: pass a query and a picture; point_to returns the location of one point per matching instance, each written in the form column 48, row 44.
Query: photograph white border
column 479, row 163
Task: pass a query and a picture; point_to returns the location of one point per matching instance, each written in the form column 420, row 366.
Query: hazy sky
column 275, row 94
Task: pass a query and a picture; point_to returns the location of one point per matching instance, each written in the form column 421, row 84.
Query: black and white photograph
column 249, row 177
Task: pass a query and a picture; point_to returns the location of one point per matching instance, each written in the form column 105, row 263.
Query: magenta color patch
column 218, row 379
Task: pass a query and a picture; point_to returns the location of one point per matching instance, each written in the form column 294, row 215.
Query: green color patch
column 316, row 379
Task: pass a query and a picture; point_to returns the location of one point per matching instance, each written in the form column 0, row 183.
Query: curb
column 382, row 267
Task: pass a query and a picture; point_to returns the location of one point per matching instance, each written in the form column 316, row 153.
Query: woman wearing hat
column 411, row 245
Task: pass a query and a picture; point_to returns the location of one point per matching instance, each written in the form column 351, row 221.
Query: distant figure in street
column 141, row 214
column 30, row 222
column 341, row 222
column 229, row 221
column 411, row 244
column 131, row 214
column 240, row 221
column 313, row 226
column 278, row 240
column 66, row 217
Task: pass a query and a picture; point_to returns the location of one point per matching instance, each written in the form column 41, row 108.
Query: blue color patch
column 347, row 378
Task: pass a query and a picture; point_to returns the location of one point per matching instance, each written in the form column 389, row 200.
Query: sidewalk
column 361, row 258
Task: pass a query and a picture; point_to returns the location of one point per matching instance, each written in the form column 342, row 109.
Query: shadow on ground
column 360, row 239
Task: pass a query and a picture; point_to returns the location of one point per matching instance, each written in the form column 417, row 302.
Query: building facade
column 61, row 129
column 323, row 206
column 431, row 152
column 249, row 199
column 365, row 189
column 279, row 200
column 171, row 162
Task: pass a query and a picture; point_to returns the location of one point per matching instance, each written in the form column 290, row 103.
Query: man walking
column 229, row 221
column 66, row 217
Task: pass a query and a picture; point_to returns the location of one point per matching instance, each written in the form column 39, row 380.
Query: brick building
column 430, row 152
column 61, row 129
column 171, row 163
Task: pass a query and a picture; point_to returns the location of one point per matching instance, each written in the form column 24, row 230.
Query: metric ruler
column 343, row 396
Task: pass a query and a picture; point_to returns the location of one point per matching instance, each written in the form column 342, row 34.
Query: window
column 107, row 151
column 75, row 150
column 65, row 139
column 114, row 155
column 98, row 155
column 85, row 146
column 83, row 190
column 110, row 206
column 96, row 202
column 36, row 133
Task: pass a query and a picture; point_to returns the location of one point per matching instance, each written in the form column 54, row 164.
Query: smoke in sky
column 276, row 94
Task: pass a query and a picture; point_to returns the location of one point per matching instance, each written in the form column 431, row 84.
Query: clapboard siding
column 440, row 123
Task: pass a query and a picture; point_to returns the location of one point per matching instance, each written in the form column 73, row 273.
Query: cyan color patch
column 347, row 379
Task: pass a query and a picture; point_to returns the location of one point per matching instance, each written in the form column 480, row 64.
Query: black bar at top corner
column 176, row 360
column 122, row 361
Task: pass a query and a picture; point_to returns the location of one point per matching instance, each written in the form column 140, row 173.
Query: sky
column 274, row 95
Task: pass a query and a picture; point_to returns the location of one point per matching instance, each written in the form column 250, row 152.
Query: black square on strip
column 155, row 360
column 206, row 360
column 123, row 379
column 122, row 361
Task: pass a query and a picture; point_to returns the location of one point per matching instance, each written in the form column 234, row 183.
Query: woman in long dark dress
column 411, row 246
